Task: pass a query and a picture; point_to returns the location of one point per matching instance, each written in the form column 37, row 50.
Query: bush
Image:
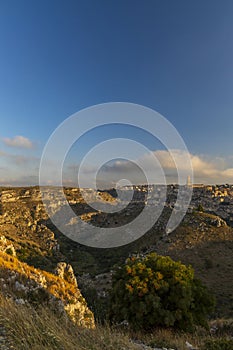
column 157, row 291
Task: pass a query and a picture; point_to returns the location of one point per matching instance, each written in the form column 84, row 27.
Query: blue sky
column 58, row 57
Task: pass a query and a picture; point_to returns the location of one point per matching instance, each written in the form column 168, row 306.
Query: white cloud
column 228, row 173
column 206, row 169
column 18, row 141
column 23, row 169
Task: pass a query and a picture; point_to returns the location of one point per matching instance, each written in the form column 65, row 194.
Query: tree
column 155, row 291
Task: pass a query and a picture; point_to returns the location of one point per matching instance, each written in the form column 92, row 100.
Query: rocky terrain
column 26, row 285
column 39, row 264
column 27, row 233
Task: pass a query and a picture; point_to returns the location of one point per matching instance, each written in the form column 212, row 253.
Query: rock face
column 27, row 285
column 65, row 271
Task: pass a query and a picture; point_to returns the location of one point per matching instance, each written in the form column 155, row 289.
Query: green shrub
column 157, row 291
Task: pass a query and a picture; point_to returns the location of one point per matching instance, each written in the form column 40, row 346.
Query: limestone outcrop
column 27, row 285
column 65, row 271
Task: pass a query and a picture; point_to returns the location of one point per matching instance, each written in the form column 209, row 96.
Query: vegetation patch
column 155, row 291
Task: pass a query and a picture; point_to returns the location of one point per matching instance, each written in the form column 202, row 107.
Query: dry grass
column 168, row 338
column 41, row 330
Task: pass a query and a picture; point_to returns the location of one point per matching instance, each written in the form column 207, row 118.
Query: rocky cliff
column 27, row 285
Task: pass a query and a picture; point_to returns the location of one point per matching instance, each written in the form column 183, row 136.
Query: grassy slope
column 27, row 328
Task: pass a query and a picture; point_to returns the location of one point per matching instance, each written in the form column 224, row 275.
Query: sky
column 59, row 57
